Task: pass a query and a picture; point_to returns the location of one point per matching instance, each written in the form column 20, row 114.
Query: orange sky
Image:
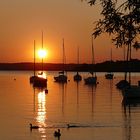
column 22, row 21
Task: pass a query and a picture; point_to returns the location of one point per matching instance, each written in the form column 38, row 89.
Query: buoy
column 46, row 90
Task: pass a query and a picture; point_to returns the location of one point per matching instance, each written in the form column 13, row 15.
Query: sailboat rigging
column 38, row 80
column 62, row 77
column 109, row 75
column 77, row 77
column 93, row 78
column 131, row 91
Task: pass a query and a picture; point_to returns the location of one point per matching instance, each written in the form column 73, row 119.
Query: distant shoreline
column 117, row 66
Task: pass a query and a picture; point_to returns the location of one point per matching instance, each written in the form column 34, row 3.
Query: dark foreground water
column 96, row 111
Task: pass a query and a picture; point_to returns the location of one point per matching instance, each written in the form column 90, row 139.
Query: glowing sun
column 42, row 53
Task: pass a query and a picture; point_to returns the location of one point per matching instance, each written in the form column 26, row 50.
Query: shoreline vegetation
column 114, row 66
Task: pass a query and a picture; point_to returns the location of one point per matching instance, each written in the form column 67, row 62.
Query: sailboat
column 93, row 78
column 38, row 80
column 124, row 83
column 109, row 75
column 77, row 77
column 62, row 77
column 131, row 91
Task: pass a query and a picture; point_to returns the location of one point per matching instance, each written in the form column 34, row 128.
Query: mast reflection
column 129, row 108
column 127, row 122
column 93, row 98
column 77, row 91
column 63, row 88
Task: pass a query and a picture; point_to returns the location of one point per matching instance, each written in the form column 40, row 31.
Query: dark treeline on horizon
column 117, row 66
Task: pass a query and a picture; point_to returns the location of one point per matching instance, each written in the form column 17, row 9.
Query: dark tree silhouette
column 121, row 21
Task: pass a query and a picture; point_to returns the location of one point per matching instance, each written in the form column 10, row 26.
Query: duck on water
column 33, row 126
column 71, row 125
column 57, row 133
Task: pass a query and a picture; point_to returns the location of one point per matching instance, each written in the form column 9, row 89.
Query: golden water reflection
column 41, row 113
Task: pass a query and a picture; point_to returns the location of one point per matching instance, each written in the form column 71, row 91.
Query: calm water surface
column 97, row 111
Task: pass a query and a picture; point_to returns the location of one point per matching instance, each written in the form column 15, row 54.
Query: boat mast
column 93, row 59
column 63, row 55
column 42, row 49
column 34, row 57
column 77, row 58
column 77, row 55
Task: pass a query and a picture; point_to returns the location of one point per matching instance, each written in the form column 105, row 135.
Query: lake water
column 97, row 111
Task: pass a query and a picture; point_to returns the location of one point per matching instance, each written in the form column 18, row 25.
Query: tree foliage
column 122, row 21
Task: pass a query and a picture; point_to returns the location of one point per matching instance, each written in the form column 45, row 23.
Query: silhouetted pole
column 63, row 56
column 42, row 49
column 93, row 58
column 34, row 57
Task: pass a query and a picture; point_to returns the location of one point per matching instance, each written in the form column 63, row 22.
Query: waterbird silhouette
column 70, row 125
column 57, row 133
column 46, row 91
column 33, row 126
column 75, row 126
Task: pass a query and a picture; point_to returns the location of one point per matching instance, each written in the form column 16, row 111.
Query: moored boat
column 77, row 77
column 109, row 75
column 40, row 79
column 93, row 78
column 123, row 84
column 62, row 77
column 131, row 92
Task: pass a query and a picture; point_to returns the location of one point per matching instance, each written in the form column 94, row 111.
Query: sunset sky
column 22, row 22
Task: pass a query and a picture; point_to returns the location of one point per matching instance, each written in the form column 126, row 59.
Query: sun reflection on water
column 41, row 108
column 41, row 113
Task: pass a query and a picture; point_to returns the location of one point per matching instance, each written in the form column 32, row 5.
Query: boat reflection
column 111, row 89
column 63, row 90
column 77, row 92
column 77, row 95
column 127, row 123
column 129, row 109
column 131, row 102
column 93, row 99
